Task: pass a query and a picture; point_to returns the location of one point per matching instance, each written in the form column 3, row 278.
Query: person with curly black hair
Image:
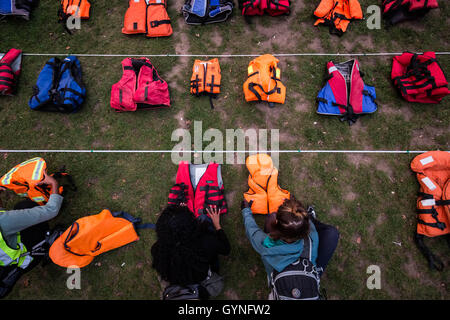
column 187, row 249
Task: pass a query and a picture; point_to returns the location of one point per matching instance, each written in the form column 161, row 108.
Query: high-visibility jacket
column 14, row 256
column 264, row 81
column 345, row 94
column 337, row 14
column 139, row 88
column 149, row 17
column 259, row 7
column 23, row 180
column 10, row 67
column 419, row 77
column 264, row 191
column 17, row 8
column 93, row 235
column 395, row 11
column 433, row 202
column 206, row 78
column 199, row 186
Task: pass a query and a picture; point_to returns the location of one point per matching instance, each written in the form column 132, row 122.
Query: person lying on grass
column 282, row 241
column 187, row 249
column 20, row 230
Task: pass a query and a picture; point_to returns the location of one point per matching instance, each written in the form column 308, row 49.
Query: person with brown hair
column 283, row 240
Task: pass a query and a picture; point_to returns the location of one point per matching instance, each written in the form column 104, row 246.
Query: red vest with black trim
column 10, row 67
column 139, row 88
column 259, row 7
column 395, row 11
column 419, row 78
column 209, row 190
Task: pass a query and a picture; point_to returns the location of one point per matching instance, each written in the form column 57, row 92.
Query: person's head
column 175, row 256
column 291, row 223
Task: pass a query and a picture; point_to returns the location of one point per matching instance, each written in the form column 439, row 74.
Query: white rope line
column 223, row 55
column 216, row 151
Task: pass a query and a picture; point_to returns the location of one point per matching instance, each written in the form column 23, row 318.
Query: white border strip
column 222, row 55
column 218, row 151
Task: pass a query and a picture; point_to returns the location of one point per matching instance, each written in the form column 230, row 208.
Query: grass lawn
column 370, row 198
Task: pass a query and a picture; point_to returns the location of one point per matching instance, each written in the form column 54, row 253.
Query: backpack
column 59, row 87
column 299, row 280
column 176, row 292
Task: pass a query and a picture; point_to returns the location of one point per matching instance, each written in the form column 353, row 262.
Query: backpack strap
column 307, row 249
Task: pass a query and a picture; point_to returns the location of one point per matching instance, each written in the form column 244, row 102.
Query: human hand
column 214, row 214
column 246, row 204
column 50, row 181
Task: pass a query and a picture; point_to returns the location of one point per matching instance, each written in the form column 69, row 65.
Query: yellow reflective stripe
column 29, row 161
column 38, row 170
column 22, row 194
column 38, row 199
column 278, row 73
column 7, row 177
column 250, row 69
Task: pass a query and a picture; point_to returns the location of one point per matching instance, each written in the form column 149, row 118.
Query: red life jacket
column 410, row 5
column 10, row 67
column 395, row 11
column 139, row 88
column 208, row 191
column 419, row 77
column 259, row 7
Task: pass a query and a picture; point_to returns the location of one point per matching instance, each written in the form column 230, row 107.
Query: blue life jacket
column 206, row 11
column 17, row 8
column 345, row 94
column 59, row 86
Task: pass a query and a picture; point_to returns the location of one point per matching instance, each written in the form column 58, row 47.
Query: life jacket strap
column 433, row 261
column 157, row 23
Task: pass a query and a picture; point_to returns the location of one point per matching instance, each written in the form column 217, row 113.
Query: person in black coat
column 187, row 249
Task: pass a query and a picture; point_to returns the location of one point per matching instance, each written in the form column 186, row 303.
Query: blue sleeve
column 254, row 233
column 14, row 221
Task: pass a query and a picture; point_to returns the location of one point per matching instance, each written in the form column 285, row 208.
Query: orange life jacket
column 151, row 19
column 23, row 180
column 91, row 236
column 264, row 81
column 206, row 78
column 433, row 203
column 263, row 185
column 77, row 8
column 337, row 14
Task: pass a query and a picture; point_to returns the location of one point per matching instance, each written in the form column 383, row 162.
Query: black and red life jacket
column 139, row 88
column 198, row 186
column 395, row 11
column 10, row 67
column 419, row 77
column 259, row 7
